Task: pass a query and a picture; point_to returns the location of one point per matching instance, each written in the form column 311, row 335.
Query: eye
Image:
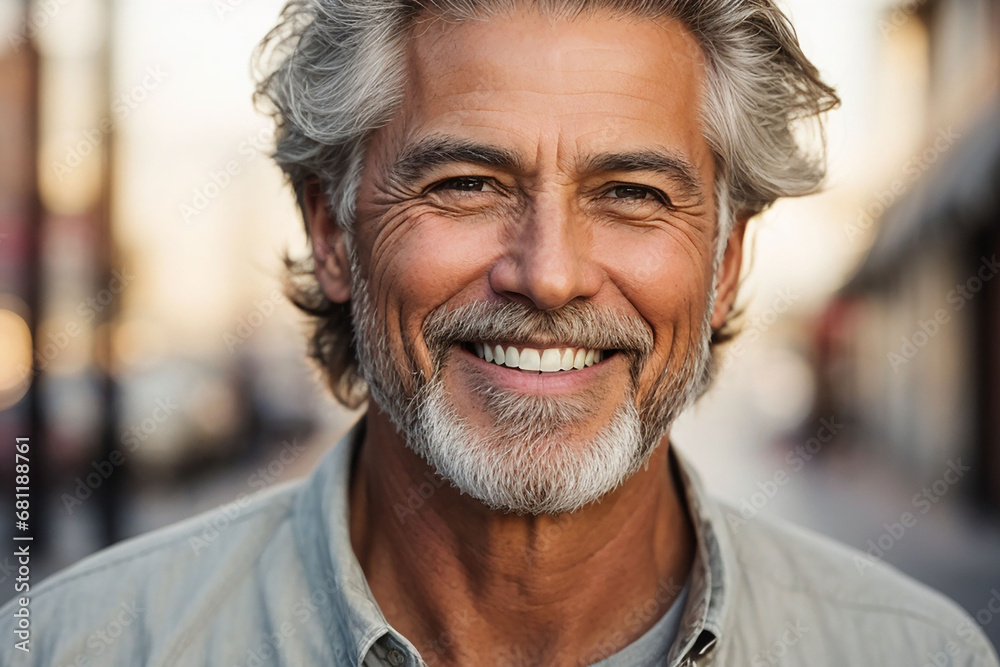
column 632, row 192
column 462, row 184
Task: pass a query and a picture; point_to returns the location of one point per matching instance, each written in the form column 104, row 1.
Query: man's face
column 545, row 189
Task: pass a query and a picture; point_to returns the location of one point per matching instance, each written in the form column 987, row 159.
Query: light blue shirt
column 273, row 581
column 654, row 645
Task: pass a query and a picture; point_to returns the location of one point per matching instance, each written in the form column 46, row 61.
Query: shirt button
column 395, row 657
column 706, row 642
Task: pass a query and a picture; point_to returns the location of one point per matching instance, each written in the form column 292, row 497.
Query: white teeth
column 529, row 360
column 566, row 362
column 550, row 361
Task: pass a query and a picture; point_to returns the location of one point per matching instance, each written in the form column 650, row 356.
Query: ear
column 333, row 269
column 727, row 280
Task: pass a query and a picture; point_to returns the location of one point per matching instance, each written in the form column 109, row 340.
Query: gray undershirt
column 652, row 648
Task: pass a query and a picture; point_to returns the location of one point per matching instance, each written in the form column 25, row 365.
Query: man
column 527, row 226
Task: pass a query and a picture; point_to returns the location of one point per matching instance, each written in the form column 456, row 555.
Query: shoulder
column 842, row 594
column 122, row 601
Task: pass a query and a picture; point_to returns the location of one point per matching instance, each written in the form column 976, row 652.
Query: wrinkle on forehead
column 437, row 37
column 480, row 73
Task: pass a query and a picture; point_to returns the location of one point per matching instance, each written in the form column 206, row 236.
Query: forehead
column 556, row 88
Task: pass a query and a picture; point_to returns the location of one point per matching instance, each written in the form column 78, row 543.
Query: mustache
column 578, row 324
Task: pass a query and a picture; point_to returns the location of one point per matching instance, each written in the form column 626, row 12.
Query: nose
column 549, row 257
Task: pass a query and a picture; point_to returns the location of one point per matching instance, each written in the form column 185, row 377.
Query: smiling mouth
column 537, row 360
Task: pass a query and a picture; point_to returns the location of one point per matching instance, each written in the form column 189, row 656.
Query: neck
column 469, row 585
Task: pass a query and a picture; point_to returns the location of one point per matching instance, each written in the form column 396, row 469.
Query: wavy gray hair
column 332, row 72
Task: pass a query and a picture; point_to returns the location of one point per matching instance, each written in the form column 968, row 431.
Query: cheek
column 667, row 283
column 423, row 263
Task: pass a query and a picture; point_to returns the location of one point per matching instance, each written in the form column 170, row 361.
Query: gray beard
column 526, row 462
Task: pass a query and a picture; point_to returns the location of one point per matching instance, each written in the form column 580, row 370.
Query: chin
column 520, row 466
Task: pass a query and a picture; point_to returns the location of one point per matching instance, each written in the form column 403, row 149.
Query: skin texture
column 465, row 584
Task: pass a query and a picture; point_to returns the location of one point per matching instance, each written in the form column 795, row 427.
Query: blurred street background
column 148, row 355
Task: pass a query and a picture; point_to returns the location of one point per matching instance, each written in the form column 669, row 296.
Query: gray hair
column 332, row 72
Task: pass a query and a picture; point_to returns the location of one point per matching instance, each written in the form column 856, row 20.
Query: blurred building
column 910, row 348
column 144, row 339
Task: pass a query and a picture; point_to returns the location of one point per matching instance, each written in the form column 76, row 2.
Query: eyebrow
column 666, row 162
column 430, row 153
column 427, row 154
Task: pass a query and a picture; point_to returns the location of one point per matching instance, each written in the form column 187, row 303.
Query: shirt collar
column 705, row 615
column 353, row 617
